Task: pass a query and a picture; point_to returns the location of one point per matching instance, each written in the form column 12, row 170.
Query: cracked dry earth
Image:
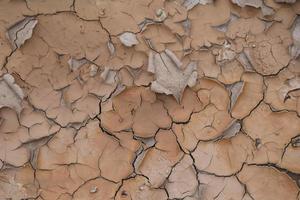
column 149, row 99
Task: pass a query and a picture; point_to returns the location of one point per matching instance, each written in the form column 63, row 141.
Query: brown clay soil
column 149, row 99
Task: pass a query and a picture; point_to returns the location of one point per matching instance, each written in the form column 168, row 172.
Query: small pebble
column 94, row 189
column 141, row 188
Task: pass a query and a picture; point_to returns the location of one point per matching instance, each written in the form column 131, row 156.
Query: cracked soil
column 149, row 99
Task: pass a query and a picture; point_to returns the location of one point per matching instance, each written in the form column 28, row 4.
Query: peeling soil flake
column 149, row 100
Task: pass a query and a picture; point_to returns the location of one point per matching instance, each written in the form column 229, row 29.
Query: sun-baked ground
column 149, row 99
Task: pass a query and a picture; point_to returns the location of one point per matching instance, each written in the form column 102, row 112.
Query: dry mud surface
column 149, row 99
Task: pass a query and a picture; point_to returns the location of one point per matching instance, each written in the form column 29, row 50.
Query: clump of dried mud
column 150, row 99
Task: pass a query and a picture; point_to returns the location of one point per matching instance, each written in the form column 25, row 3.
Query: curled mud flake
column 124, row 56
column 285, row 1
column 75, row 64
column 232, row 130
column 246, row 95
column 207, row 66
column 126, row 105
column 224, row 157
column 93, row 70
column 235, row 90
column 203, row 20
column 158, row 161
column 296, row 142
column 188, row 142
column 187, row 28
column 213, row 187
column 189, row 4
column 224, row 27
column 160, row 15
column 290, row 86
column 231, row 72
column 149, row 118
column 295, row 48
column 243, row 59
column 21, row 32
column 143, row 25
column 159, row 37
column 283, row 90
column 5, row 47
column 266, row 11
column 268, row 53
column 266, row 183
column 210, row 122
column 128, row 39
column 170, row 79
column 183, row 181
column 11, row 95
column 109, row 76
column 253, row 3
column 143, row 78
column 291, row 157
column 273, row 131
column 182, row 112
column 111, row 48
column 225, row 54
column 137, row 188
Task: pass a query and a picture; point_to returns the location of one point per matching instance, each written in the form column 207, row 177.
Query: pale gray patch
column 128, row 39
column 170, row 79
column 21, row 31
column 11, row 95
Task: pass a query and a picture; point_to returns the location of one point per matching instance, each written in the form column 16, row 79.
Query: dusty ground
column 149, row 99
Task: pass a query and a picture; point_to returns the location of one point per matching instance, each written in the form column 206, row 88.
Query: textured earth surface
column 149, row 99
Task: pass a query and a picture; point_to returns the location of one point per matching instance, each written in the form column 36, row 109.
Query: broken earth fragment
column 93, row 70
column 281, row 91
column 21, row 31
column 266, row 11
column 93, row 129
column 11, row 95
column 161, row 15
column 285, row 1
column 253, row 3
column 224, row 157
column 235, row 91
column 296, row 141
column 111, row 48
column 128, row 39
column 170, row 79
column 220, row 188
column 160, row 159
column 189, row 4
column 273, row 131
column 246, row 95
column 138, row 188
column 76, row 63
column 267, row 183
column 295, row 49
column 183, row 180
